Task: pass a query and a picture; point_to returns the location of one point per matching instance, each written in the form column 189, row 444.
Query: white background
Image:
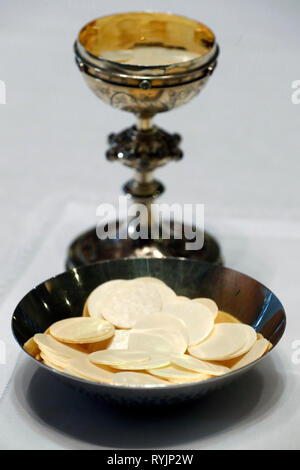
column 241, row 145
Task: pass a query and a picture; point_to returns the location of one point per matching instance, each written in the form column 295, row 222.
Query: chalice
column 144, row 63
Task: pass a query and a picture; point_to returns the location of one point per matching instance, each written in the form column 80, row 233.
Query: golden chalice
column 144, row 63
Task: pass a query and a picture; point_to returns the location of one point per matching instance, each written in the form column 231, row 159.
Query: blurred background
column 241, row 159
column 240, row 135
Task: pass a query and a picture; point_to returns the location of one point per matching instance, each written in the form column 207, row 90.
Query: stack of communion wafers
column 139, row 332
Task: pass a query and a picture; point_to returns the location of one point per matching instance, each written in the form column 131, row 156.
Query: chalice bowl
column 144, row 63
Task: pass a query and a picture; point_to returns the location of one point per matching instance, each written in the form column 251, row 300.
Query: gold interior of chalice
column 144, row 29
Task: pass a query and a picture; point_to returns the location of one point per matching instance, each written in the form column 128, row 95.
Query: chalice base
column 89, row 249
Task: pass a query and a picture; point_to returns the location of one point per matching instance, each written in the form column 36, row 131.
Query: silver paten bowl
column 64, row 296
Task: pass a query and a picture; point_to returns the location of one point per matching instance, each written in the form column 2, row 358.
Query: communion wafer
column 82, row 330
column 156, row 361
column 250, row 340
column 181, row 298
column 70, row 372
column 197, row 318
column 85, row 311
column 56, row 357
column 47, row 343
column 119, row 340
column 130, row 302
column 174, row 372
column 165, row 321
column 166, row 293
column 31, row 347
column 65, row 370
column 210, row 304
column 270, row 345
column 53, row 365
column 122, row 357
column 196, row 365
column 97, row 346
column 158, row 340
column 96, row 296
column 137, row 378
column 82, row 367
column 258, row 349
column 54, row 360
column 182, row 380
column 225, row 340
